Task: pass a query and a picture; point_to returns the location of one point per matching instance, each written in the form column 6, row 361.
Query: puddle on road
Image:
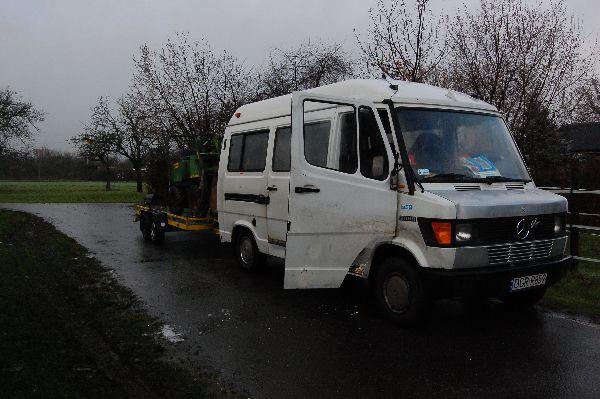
column 574, row 318
column 170, row 335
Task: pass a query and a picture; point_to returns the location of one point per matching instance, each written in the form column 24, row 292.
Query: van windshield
column 453, row 146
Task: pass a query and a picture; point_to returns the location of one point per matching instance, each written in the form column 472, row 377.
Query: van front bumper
column 489, row 281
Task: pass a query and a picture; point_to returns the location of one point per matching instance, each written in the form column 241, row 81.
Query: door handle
column 306, row 189
column 271, row 188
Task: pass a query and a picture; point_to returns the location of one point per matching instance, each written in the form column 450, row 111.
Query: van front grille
column 501, row 230
column 519, row 252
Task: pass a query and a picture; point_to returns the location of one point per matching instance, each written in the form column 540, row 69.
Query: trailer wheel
column 400, row 293
column 246, row 252
column 524, row 299
column 145, row 227
column 157, row 233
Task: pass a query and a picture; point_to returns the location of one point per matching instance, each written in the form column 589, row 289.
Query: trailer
column 190, row 204
column 155, row 221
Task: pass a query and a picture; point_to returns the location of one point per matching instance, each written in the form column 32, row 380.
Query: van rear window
column 248, row 152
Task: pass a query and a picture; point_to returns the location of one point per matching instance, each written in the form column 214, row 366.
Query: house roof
column 373, row 90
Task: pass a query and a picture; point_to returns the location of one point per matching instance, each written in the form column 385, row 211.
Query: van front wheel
column 246, row 252
column 400, row 293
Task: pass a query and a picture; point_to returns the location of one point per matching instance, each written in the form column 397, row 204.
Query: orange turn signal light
column 442, row 232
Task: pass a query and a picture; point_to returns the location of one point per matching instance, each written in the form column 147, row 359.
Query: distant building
column 581, row 137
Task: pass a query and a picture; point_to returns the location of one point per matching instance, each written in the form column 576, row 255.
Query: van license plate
column 522, row 283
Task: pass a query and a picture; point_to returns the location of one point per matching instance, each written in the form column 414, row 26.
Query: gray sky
column 63, row 54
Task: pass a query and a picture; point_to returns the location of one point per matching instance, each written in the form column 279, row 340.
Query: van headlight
column 559, row 225
column 449, row 233
column 465, row 232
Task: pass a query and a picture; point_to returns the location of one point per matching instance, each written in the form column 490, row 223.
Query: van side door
column 340, row 197
column 278, row 189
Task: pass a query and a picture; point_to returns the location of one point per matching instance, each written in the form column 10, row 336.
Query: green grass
column 69, row 329
column 67, row 191
column 579, row 291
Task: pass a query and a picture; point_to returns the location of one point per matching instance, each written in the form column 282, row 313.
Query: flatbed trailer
column 155, row 221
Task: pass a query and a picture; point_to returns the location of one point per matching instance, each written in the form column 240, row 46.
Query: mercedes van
column 418, row 189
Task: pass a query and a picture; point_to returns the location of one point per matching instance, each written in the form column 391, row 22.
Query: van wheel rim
column 396, row 291
column 246, row 250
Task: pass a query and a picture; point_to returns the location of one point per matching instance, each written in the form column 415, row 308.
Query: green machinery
column 193, row 185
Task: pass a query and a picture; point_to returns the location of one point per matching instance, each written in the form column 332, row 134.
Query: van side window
column 255, row 151
column 347, row 160
column 248, row 152
column 373, row 156
column 282, row 150
column 316, row 142
column 235, row 153
column 331, row 143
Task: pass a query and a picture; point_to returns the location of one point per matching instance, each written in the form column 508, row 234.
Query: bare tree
column 588, row 109
column 310, row 65
column 520, row 57
column 131, row 127
column 191, row 89
column 18, row 118
column 96, row 144
column 403, row 41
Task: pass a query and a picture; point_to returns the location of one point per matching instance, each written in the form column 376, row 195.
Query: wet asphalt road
column 272, row 343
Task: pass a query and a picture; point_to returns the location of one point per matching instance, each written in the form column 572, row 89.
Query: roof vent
column 515, row 186
column 467, row 187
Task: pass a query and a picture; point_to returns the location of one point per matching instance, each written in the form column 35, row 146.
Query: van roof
column 373, row 90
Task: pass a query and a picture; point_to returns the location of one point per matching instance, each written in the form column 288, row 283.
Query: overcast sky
column 63, row 54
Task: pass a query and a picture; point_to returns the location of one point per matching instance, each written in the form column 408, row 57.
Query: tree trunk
column 107, row 166
column 138, row 179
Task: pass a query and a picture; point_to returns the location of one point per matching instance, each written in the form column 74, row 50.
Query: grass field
column 70, row 330
column 67, row 191
column 579, row 291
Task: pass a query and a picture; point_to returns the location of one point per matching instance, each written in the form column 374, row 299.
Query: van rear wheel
column 400, row 293
column 246, row 252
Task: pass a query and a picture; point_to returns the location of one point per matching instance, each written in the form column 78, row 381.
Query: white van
column 421, row 190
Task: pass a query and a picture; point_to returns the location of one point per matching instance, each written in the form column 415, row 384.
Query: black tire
column 145, row 223
column 400, row 293
column 524, row 299
column 145, row 228
column 157, row 233
column 246, row 252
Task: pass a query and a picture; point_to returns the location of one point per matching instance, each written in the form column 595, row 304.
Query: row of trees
column 529, row 60
column 48, row 164
column 183, row 95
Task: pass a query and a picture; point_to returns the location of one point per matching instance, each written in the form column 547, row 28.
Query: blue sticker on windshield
column 422, row 172
column 481, row 166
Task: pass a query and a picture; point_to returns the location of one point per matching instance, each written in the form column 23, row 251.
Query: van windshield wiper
column 447, row 177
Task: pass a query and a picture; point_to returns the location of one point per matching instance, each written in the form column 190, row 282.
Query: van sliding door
column 340, row 199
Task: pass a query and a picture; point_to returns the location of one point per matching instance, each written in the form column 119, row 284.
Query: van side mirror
column 394, row 180
column 395, row 174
